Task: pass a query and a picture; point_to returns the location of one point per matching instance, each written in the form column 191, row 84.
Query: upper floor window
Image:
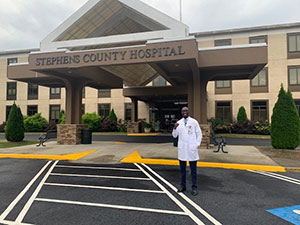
column 294, row 75
column 104, row 93
column 159, row 81
column 11, row 91
column 223, row 42
column 12, row 60
column 55, row 93
column 223, row 84
column 258, row 39
column 260, row 79
column 294, row 42
column 33, row 91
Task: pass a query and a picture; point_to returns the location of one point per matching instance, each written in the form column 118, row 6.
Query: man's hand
column 176, row 125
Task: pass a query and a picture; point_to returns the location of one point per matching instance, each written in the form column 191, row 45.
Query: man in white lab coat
column 189, row 139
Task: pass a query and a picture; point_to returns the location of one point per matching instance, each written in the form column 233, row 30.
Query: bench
column 45, row 137
column 218, row 141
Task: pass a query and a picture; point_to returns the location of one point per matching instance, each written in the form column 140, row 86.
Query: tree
column 112, row 116
column 285, row 126
column 242, row 115
column 14, row 130
column 62, row 117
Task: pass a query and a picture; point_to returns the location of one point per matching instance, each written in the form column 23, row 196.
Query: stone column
column 134, row 110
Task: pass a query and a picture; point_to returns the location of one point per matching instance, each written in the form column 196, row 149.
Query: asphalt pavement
column 70, row 193
column 159, row 139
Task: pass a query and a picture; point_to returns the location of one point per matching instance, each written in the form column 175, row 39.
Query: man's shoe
column 194, row 192
column 181, row 189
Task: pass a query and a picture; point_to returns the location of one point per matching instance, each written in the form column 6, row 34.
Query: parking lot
column 58, row 192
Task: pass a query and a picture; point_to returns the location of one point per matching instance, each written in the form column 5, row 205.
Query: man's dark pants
column 193, row 167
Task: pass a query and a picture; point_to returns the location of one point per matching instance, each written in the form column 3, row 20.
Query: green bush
column 62, row 117
column 242, row 115
column 285, row 126
column 112, row 116
column 122, row 125
column 92, row 120
column 261, row 128
column 14, row 130
column 35, row 123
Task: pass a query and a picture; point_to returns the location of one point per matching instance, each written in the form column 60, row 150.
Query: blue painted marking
column 290, row 214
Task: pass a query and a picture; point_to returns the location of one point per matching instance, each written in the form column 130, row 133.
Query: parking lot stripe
column 202, row 211
column 18, row 198
column 34, row 195
column 112, row 206
column 185, row 209
column 13, row 223
column 104, row 188
column 98, row 176
column 288, row 179
column 98, row 168
column 279, row 175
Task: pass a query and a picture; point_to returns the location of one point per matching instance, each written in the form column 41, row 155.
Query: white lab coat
column 189, row 139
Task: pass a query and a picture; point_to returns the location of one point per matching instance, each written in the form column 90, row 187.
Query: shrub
column 242, row 115
column 35, row 123
column 2, row 127
column 243, row 128
column 112, row 116
column 14, row 130
column 62, row 117
column 215, row 122
column 220, row 126
column 261, row 128
column 147, row 125
column 108, row 126
column 285, row 126
column 122, row 125
column 92, row 120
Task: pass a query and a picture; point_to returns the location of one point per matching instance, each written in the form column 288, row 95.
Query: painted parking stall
column 129, row 192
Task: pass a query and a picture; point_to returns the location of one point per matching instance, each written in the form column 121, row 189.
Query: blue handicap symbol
column 290, row 214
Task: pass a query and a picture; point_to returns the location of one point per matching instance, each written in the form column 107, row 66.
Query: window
column 259, row 111
column 223, row 84
column 33, row 91
column 32, row 110
column 222, row 42
column 54, row 112
column 258, row 39
column 297, row 102
column 294, row 76
column 159, row 81
column 128, row 107
column 12, row 60
column 8, row 108
column 83, row 92
column 104, row 110
column 11, row 91
column 294, row 42
column 260, row 79
column 104, row 93
column 223, row 111
column 55, row 93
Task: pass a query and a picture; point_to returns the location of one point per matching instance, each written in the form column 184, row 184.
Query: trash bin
column 175, row 142
column 86, row 136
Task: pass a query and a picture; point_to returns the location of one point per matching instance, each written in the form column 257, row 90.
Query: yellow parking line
column 120, row 143
column 74, row 156
column 135, row 157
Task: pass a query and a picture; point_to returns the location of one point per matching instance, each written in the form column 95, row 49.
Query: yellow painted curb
column 119, row 143
column 143, row 134
column 74, row 156
column 135, row 157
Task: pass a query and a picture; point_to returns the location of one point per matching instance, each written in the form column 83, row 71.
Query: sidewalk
column 114, row 152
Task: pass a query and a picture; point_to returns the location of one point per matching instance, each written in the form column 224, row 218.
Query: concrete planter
column 147, row 130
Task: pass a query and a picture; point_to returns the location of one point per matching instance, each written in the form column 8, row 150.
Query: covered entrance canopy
column 126, row 43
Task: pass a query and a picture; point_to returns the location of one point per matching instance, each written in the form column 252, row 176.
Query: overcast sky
column 24, row 23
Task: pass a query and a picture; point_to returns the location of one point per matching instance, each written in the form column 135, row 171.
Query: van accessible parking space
column 59, row 192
